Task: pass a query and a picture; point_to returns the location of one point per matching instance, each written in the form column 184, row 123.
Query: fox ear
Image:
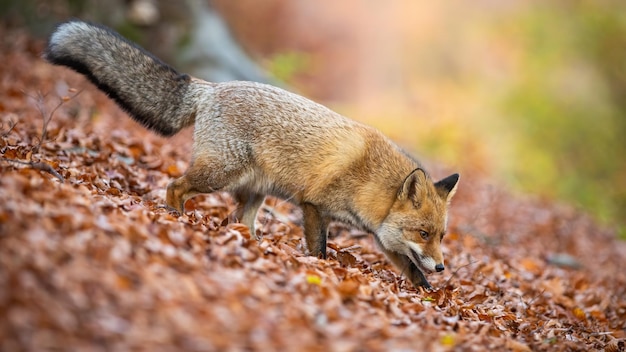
column 413, row 186
column 447, row 187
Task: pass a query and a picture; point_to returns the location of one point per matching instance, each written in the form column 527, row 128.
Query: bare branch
column 11, row 124
column 47, row 116
column 41, row 166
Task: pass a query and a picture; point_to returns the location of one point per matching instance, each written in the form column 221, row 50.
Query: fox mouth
column 415, row 258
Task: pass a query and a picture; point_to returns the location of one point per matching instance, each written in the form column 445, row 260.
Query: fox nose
column 439, row 267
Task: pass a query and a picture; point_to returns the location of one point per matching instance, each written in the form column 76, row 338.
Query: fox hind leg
column 178, row 191
column 205, row 175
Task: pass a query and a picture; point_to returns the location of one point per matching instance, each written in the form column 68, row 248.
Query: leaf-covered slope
column 95, row 263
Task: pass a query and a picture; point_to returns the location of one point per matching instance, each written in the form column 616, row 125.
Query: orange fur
column 254, row 140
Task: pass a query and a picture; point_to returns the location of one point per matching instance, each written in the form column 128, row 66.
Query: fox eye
column 424, row 234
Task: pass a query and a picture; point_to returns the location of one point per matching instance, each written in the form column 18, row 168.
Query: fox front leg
column 247, row 209
column 411, row 271
column 315, row 230
column 417, row 277
column 407, row 267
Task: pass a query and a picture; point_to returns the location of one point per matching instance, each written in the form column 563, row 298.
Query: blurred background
column 529, row 93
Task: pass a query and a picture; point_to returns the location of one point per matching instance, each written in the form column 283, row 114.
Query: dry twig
column 46, row 117
column 38, row 165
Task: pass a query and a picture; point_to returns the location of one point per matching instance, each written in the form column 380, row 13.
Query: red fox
column 253, row 139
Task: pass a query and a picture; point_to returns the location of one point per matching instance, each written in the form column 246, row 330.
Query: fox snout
column 426, row 262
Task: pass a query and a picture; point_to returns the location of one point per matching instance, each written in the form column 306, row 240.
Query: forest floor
column 90, row 261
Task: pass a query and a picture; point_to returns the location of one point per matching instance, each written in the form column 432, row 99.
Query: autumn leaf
column 97, row 262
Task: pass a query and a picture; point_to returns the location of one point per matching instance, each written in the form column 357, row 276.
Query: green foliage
column 569, row 104
column 130, row 32
column 284, row 66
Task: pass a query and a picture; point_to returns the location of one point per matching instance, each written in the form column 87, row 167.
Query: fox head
column 417, row 220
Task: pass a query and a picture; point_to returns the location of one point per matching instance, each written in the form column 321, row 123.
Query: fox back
column 253, row 140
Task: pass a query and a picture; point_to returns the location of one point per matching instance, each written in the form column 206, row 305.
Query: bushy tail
column 152, row 92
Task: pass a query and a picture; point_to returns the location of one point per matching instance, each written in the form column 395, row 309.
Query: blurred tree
column 212, row 53
column 189, row 34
